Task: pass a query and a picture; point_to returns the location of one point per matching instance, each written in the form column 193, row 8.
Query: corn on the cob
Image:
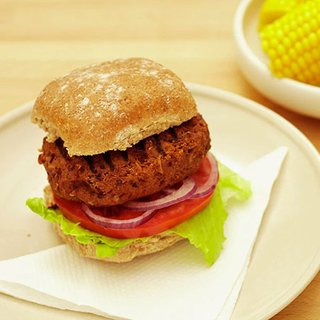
column 272, row 10
column 293, row 43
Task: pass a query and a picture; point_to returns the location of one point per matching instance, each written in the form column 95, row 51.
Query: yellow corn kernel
column 292, row 43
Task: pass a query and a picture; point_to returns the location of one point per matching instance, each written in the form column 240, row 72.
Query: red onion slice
column 210, row 184
column 186, row 190
column 116, row 223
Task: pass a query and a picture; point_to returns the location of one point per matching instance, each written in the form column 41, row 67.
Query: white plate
column 294, row 95
column 287, row 252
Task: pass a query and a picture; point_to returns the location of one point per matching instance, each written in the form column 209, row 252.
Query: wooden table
column 42, row 39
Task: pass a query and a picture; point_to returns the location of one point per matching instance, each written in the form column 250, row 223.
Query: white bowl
column 293, row 95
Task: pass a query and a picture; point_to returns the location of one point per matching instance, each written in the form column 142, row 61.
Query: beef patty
column 115, row 177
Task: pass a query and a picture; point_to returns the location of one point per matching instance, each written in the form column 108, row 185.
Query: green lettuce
column 204, row 230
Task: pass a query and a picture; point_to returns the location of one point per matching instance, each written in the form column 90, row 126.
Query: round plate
column 294, row 95
column 286, row 255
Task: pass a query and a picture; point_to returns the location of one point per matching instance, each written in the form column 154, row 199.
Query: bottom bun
column 125, row 254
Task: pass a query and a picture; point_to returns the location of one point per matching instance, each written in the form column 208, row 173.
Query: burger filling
column 167, row 183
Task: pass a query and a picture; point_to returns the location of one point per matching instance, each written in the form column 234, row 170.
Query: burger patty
column 115, row 177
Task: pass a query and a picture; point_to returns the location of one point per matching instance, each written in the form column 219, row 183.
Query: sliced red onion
column 168, row 191
column 116, row 223
column 186, row 190
column 209, row 186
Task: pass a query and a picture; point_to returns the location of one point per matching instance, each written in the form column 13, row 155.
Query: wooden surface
column 41, row 39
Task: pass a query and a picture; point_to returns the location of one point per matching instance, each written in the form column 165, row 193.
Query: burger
column 128, row 163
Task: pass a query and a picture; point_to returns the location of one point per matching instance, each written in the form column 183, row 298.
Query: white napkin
column 174, row 284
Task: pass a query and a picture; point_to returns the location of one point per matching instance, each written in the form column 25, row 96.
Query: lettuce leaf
column 105, row 246
column 204, row 230
column 233, row 186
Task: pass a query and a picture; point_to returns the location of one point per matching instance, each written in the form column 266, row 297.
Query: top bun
column 112, row 105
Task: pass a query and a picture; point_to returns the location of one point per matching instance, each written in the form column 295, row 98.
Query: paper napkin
column 173, row 284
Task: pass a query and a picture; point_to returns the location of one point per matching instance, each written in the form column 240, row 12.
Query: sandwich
column 128, row 163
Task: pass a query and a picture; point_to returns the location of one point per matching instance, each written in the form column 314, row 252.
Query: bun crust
column 112, row 105
column 125, row 254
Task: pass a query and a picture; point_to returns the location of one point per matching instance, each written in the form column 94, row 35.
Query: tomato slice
column 164, row 219
column 203, row 172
